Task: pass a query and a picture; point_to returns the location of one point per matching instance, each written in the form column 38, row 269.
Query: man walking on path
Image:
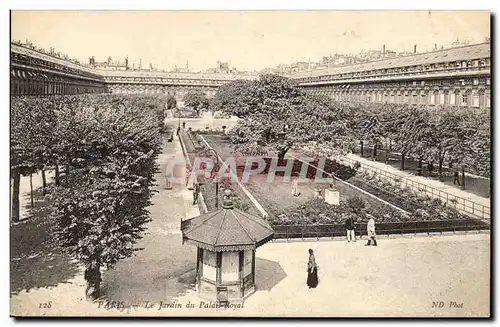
column 349, row 226
column 370, row 228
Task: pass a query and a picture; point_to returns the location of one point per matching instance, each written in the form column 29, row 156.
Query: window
column 247, row 263
column 465, row 98
column 230, row 266
column 209, row 264
column 452, row 99
column 475, row 100
column 433, row 98
column 441, row 98
column 424, row 99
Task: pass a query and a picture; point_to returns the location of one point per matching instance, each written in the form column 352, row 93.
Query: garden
column 308, row 209
column 278, row 119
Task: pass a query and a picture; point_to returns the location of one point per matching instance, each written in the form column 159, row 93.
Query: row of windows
column 138, row 90
column 483, row 62
column 430, row 83
column 161, row 80
column 467, row 99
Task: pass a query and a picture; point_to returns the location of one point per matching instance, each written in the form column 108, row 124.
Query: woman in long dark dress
column 312, row 271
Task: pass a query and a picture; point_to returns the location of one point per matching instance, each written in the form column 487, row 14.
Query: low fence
column 463, row 205
column 398, row 228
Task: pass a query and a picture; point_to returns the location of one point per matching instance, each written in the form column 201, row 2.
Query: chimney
column 383, row 51
column 415, row 48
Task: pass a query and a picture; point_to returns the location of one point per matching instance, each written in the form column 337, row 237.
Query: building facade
column 460, row 76
column 37, row 73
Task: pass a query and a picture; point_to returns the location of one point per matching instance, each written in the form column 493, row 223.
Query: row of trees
column 194, row 99
column 103, row 150
column 460, row 137
column 278, row 116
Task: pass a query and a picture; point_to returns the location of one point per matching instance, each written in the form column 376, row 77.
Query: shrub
column 356, row 204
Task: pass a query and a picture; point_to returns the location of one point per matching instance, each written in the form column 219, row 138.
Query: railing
column 398, row 228
column 463, row 205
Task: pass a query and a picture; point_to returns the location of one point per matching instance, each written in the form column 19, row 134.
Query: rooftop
column 158, row 74
column 227, row 229
column 467, row 52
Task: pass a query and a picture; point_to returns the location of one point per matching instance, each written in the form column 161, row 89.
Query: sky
column 248, row 40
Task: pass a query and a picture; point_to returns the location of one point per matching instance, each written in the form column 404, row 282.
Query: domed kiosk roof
column 226, row 229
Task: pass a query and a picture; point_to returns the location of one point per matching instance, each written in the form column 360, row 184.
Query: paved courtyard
column 400, row 277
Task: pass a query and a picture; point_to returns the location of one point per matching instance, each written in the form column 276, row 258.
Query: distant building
column 390, row 54
column 109, row 64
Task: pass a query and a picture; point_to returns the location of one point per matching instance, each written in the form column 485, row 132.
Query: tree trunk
column 463, row 178
column 441, row 159
column 15, row 196
column 31, row 191
column 281, row 155
column 361, row 143
column 403, row 161
column 57, row 176
column 44, row 183
column 93, row 278
column 375, row 148
column 420, row 166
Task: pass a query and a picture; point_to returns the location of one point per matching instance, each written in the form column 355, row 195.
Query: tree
column 239, row 98
column 100, row 206
column 407, row 129
column 278, row 116
column 171, row 102
column 371, row 120
column 196, row 99
column 32, row 139
column 438, row 135
column 470, row 140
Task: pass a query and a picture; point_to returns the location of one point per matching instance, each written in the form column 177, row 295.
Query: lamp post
column 216, row 165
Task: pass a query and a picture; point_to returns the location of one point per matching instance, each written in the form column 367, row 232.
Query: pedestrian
column 295, row 187
column 183, row 125
column 312, row 271
column 349, row 226
column 370, row 228
column 456, row 179
column 196, row 191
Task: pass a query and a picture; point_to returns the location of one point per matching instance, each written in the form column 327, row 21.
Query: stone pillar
column 332, row 196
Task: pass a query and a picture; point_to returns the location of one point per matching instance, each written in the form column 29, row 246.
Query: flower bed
column 317, row 212
column 424, row 208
